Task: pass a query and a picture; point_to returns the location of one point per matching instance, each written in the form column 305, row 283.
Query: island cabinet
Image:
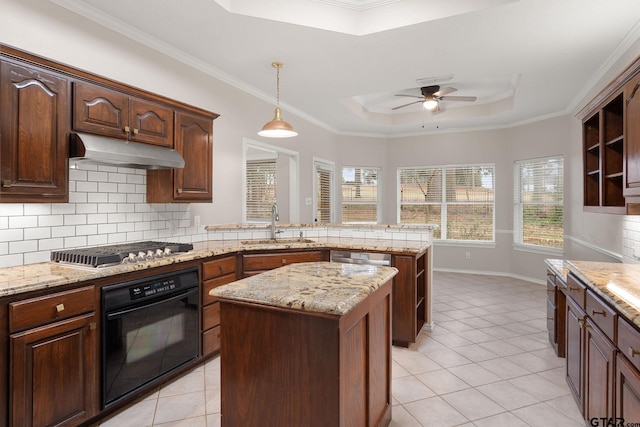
column 53, row 362
column 34, row 128
column 575, row 316
column 256, row 263
column 217, row 272
column 295, row 366
column 108, row 112
column 410, row 291
column 194, row 182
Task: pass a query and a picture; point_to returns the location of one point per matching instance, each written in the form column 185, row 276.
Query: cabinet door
column 404, row 301
column 33, row 134
column 599, row 357
column 54, row 374
column 627, row 390
column 632, row 137
column 99, row 110
column 194, row 141
column 574, row 351
column 150, row 123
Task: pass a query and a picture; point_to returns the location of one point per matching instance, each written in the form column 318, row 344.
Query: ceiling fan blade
column 410, row 96
column 406, row 105
column 458, row 98
column 444, row 91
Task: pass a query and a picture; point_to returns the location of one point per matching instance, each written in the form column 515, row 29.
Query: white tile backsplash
column 107, row 205
column 630, row 238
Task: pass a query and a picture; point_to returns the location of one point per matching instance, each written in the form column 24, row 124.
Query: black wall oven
column 149, row 328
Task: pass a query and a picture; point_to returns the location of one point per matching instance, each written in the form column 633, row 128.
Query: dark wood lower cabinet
column 627, row 390
column 54, row 374
column 575, row 339
column 282, row 367
column 599, row 362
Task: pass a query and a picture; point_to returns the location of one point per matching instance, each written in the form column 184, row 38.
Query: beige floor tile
column 452, row 340
column 504, row 368
column 508, row 395
column 401, row 418
column 442, row 381
column 416, row 363
column 213, row 402
column 539, row 387
column 138, row 415
column 187, row 422
column 190, row 383
column 175, row 408
column 409, row 389
column 543, row 415
column 435, row 412
column 506, row 419
column 476, row 353
column 474, row 374
column 501, row 348
column 472, row 404
column 448, row 358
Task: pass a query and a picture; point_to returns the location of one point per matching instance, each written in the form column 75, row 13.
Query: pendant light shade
column 277, row 128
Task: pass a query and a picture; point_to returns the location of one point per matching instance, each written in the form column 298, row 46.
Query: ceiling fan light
column 430, row 103
column 277, row 128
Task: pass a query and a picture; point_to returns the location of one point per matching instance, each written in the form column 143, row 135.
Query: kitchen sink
column 276, row 241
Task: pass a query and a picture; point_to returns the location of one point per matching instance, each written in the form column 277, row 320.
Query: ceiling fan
column 432, row 95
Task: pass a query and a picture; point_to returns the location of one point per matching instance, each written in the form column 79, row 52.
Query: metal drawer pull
column 221, row 269
column 284, row 261
column 127, row 129
column 135, row 131
column 571, row 288
column 600, row 312
column 633, row 352
column 60, row 308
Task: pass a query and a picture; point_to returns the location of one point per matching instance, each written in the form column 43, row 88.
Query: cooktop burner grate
column 117, row 254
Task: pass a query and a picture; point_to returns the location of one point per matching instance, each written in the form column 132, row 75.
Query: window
column 459, row 199
column 360, row 195
column 261, row 189
column 538, row 202
column 323, row 197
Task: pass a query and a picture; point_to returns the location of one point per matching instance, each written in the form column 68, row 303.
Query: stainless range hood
column 94, row 149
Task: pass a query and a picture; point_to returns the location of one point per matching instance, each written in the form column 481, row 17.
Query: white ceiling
column 346, row 59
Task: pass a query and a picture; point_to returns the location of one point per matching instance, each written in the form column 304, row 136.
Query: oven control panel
column 155, row 288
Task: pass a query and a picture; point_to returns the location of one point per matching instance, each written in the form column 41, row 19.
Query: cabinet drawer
column 211, row 316
column 629, row 341
column 270, row 261
column 33, row 312
column 551, row 289
column 218, row 267
column 214, row 283
column 210, row 340
column 601, row 314
column 576, row 290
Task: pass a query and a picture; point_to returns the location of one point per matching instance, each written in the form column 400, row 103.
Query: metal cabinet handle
column 127, row 129
column 633, row 352
column 6, row 183
column 135, row 131
column 179, row 190
column 221, row 269
column 60, row 308
column 600, row 312
column 571, row 288
column 284, row 261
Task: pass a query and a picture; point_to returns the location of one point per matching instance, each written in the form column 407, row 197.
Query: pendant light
column 277, row 128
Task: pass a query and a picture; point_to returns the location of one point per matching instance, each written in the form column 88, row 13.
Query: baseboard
column 493, row 273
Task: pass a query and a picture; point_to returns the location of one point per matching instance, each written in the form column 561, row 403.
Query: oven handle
column 145, row 306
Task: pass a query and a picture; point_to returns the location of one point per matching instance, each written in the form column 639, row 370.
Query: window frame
column 518, row 221
column 378, row 203
column 444, row 203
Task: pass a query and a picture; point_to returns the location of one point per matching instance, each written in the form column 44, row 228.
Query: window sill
column 538, row 249
column 464, row 243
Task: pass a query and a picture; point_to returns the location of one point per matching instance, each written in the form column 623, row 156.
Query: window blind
column 538, row 202
column 459, row 199
column 324, row 186
column 261, row 189
column 360, row 195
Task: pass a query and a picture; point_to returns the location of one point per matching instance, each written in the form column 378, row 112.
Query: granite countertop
column 618, row 284
column 33, row 277
column 558, row 267
column 323, row 287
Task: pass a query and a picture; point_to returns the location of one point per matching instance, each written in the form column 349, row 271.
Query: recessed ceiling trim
column 357, row 4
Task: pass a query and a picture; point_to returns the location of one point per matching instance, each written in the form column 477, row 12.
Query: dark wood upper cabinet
column 111, row 113
column 611, row 146
column 632, row 131
column 34, row 128
column 194, row 141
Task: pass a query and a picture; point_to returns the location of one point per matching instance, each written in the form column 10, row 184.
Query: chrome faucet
column 274, row 217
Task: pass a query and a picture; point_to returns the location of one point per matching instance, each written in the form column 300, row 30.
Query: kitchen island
column 307, row 344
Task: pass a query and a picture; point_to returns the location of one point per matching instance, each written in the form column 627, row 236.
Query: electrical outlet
column 196, row 220
column 467, row 255
column 636, row 250
column 308, row 201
